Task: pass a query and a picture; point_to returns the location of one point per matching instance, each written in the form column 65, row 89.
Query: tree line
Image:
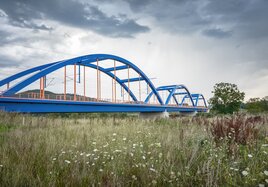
column 228, row 99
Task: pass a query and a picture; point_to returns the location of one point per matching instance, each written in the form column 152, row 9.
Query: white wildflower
column 114, row 134
column 63, row 152
column 113, row 139
column 95, row 150
column 245, row 173
column 250, row 155
column 134, row 177
column 124, row 139
column 143, row 157
column 67, row 161
column 154, row 182
column 172, row 175
column 87, row 155
column 101, row 170
column 117, row 151
column 1, row 166
column 158, row 144
column 152, row 169
column 54, row 159
column 131, row 154
column 266, row 173
column 81, row 154
column 94, row 143
column 106, row 145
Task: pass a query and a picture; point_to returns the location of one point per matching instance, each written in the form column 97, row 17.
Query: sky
column 197, row 43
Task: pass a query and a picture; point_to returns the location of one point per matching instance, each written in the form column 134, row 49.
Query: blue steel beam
column 132, row 79
column 172, row 92
column 78, row 60
column 181, row 93
column 116, row 68
column 116, row 78
column 57, row 106
column 196, row 97
column 23, row 73
column 134, row 67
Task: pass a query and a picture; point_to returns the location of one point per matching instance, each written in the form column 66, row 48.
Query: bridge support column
column 153, row 115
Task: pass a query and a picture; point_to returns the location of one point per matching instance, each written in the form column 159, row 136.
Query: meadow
column 123, row 150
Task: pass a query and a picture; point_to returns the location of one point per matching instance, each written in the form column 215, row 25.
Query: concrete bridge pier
column 154, row 115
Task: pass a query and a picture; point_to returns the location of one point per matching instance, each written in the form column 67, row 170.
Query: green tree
column 257, row 105
column 227, row 98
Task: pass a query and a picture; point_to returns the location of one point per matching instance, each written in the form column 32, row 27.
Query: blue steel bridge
column 123, row 98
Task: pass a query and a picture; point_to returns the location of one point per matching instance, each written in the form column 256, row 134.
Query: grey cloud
column 74, row 13
column 7, row 38
column 217, row 33
column 181, row 16
column 6, row 61
column 4, row 37
column 245, row 18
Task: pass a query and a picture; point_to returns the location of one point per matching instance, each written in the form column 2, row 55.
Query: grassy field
column 107, row 150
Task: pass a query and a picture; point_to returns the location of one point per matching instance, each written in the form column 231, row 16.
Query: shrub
column 236, row 129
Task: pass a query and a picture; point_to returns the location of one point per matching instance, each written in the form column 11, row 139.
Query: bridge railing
column 78, row 98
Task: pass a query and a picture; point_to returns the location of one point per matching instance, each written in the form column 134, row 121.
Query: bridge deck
column 12, row 104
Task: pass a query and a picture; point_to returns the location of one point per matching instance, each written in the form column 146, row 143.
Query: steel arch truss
column 173, row 91
column 196, row 98
column 87, row 60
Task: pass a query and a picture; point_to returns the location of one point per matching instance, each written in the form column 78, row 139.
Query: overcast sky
column 193, row 42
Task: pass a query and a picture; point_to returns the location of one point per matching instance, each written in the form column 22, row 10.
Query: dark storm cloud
column 23, row 13
column 243, row 18
column 173, row 15
column 246, row 18
column 217, row 33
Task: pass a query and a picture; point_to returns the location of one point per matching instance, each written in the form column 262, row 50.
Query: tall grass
column 128, row 151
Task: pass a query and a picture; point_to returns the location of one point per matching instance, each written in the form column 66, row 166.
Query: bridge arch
column 86, row 60
column 173, row 91
column 196, row 98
